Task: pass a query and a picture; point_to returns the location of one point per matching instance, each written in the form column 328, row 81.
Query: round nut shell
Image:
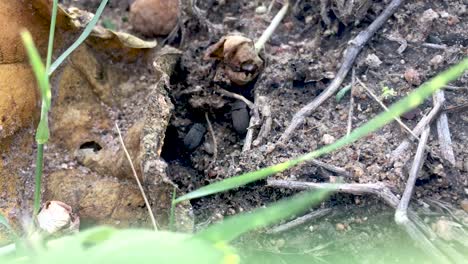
column 154, row 17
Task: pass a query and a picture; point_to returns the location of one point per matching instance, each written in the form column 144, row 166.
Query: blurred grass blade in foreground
column 235, row 226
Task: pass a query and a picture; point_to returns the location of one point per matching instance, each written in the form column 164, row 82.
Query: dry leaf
column 240, row 62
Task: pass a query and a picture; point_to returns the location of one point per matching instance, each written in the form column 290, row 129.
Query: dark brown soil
column 300, row 61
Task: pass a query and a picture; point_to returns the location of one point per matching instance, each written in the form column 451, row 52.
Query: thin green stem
column 38, row 178
column 50, row 47
column 172, row 213
column 80, row 39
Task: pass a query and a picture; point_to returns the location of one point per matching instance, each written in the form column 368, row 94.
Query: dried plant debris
column 240, row 62
column 349, row 12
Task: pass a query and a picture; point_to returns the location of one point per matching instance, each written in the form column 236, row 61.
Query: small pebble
column 412, row 76
column 340, row 227
column 373, row 61
column 436, row 60
column 464, row 205
column 261, row 10
column 444, row 229
column 280, row 243
column 328, row 139
column 357, row 200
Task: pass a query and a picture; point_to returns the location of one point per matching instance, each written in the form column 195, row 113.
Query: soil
column 301, row 59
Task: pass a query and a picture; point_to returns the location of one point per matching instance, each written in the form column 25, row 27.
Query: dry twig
column 443, row 130
column 213, row 137
column 150, row 212
column 265, row 130
column 408, row 224
column 379, row 189
column 351, row 103
column 236, row 96
column 434, row 46
column 330, row 167
column 254, row 119
column 351, row 53
column 425, row 121
column 401, row 213
column 316, row 214
column 455, row 88
column 456, row 108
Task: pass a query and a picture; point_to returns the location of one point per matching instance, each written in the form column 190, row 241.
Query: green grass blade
column 38, row 68
column 409, row 102
column 50, row 46
column 341, row 93
column 38, row 178
column 80, row 39
column 237, row 225
column 172, row 213
column 42, row 133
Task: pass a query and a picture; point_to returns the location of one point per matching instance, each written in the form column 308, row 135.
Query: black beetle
column 240, row 117
column 194, row 136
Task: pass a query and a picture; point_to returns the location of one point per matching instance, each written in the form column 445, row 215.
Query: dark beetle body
column 194, row 136
column 240, row 117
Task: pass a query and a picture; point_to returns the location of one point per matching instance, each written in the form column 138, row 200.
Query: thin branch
column 267, row 120
column 236, row 96
column 153, row 220
column 351, row 103
column 426, row 120
column 254, row 120
column 443, row 130
column 332, row 168
column 405, row 127
column 456, row 108
column 379, row 189
column 402, row 209
column 455, row 88
column 213, row 137
column 401, row 213
column 316, row 214
column 351, row 53
column 434, row 46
